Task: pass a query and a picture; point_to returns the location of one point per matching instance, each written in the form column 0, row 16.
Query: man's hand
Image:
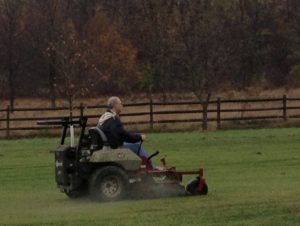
column 143, row 137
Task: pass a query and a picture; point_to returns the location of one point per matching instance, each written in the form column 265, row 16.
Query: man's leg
column 136, row 148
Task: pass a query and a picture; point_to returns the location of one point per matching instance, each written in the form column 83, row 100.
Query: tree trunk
column 204, row 116
column 11, row 88
column 204, row 112
column 11, row 69
column 52, row 75
column 71, row 106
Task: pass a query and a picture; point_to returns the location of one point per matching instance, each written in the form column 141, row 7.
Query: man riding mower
column 108, row 169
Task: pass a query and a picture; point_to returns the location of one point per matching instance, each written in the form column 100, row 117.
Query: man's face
column 118, row 106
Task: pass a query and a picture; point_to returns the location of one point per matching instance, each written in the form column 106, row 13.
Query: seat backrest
column 98, row 139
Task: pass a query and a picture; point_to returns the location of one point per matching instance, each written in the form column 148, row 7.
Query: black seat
column 98, row 139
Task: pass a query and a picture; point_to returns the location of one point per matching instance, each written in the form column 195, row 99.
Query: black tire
column 109, row 183
column 192, row 188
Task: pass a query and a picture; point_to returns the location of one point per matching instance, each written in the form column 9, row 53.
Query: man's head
column 115, row 104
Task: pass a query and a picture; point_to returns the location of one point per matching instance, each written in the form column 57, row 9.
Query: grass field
column 253, row 178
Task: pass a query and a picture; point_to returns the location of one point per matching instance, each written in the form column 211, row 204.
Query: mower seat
column 98, row 139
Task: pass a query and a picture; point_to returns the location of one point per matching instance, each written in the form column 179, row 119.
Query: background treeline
column 79, row 48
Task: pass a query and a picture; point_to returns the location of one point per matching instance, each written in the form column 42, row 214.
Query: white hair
column 112, row 101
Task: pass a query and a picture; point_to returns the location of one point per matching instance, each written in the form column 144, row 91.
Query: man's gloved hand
column 143, row 136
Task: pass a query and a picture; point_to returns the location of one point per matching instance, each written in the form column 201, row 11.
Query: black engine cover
column 64, row 165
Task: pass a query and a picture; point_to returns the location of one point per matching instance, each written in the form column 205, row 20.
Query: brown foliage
column 115, row 57
column 106, row 46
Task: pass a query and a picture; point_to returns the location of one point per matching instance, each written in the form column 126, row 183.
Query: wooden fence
column 150, row 113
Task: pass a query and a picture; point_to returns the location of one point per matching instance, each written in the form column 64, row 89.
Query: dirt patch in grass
column 296, row 212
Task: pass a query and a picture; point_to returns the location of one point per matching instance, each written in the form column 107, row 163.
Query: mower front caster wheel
column 192, row 188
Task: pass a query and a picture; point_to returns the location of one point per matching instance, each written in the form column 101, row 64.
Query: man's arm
column 130, row 137
column 126, row 136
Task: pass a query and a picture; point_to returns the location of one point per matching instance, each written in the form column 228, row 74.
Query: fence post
column 81, row 110
column 8, row 121
column 219, row 113
column 284, row 108
column 151, row 113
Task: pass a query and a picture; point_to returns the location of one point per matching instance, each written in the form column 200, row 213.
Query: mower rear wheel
column 192, row 188
column 109, row 183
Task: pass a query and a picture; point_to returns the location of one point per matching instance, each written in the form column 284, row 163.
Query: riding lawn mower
column 93, row 167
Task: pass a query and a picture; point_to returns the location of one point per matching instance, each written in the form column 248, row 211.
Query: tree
column 114, row 56
column 76, row 74
column 149, row 25
column 11, row 30
column 248, row 20
column 46, row 25
column 207, row 49
column 276, row 36
column 294, row 54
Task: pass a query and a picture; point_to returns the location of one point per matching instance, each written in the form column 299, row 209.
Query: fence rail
column 217, row 112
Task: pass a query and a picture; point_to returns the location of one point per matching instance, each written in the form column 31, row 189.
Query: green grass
column 253, row 178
